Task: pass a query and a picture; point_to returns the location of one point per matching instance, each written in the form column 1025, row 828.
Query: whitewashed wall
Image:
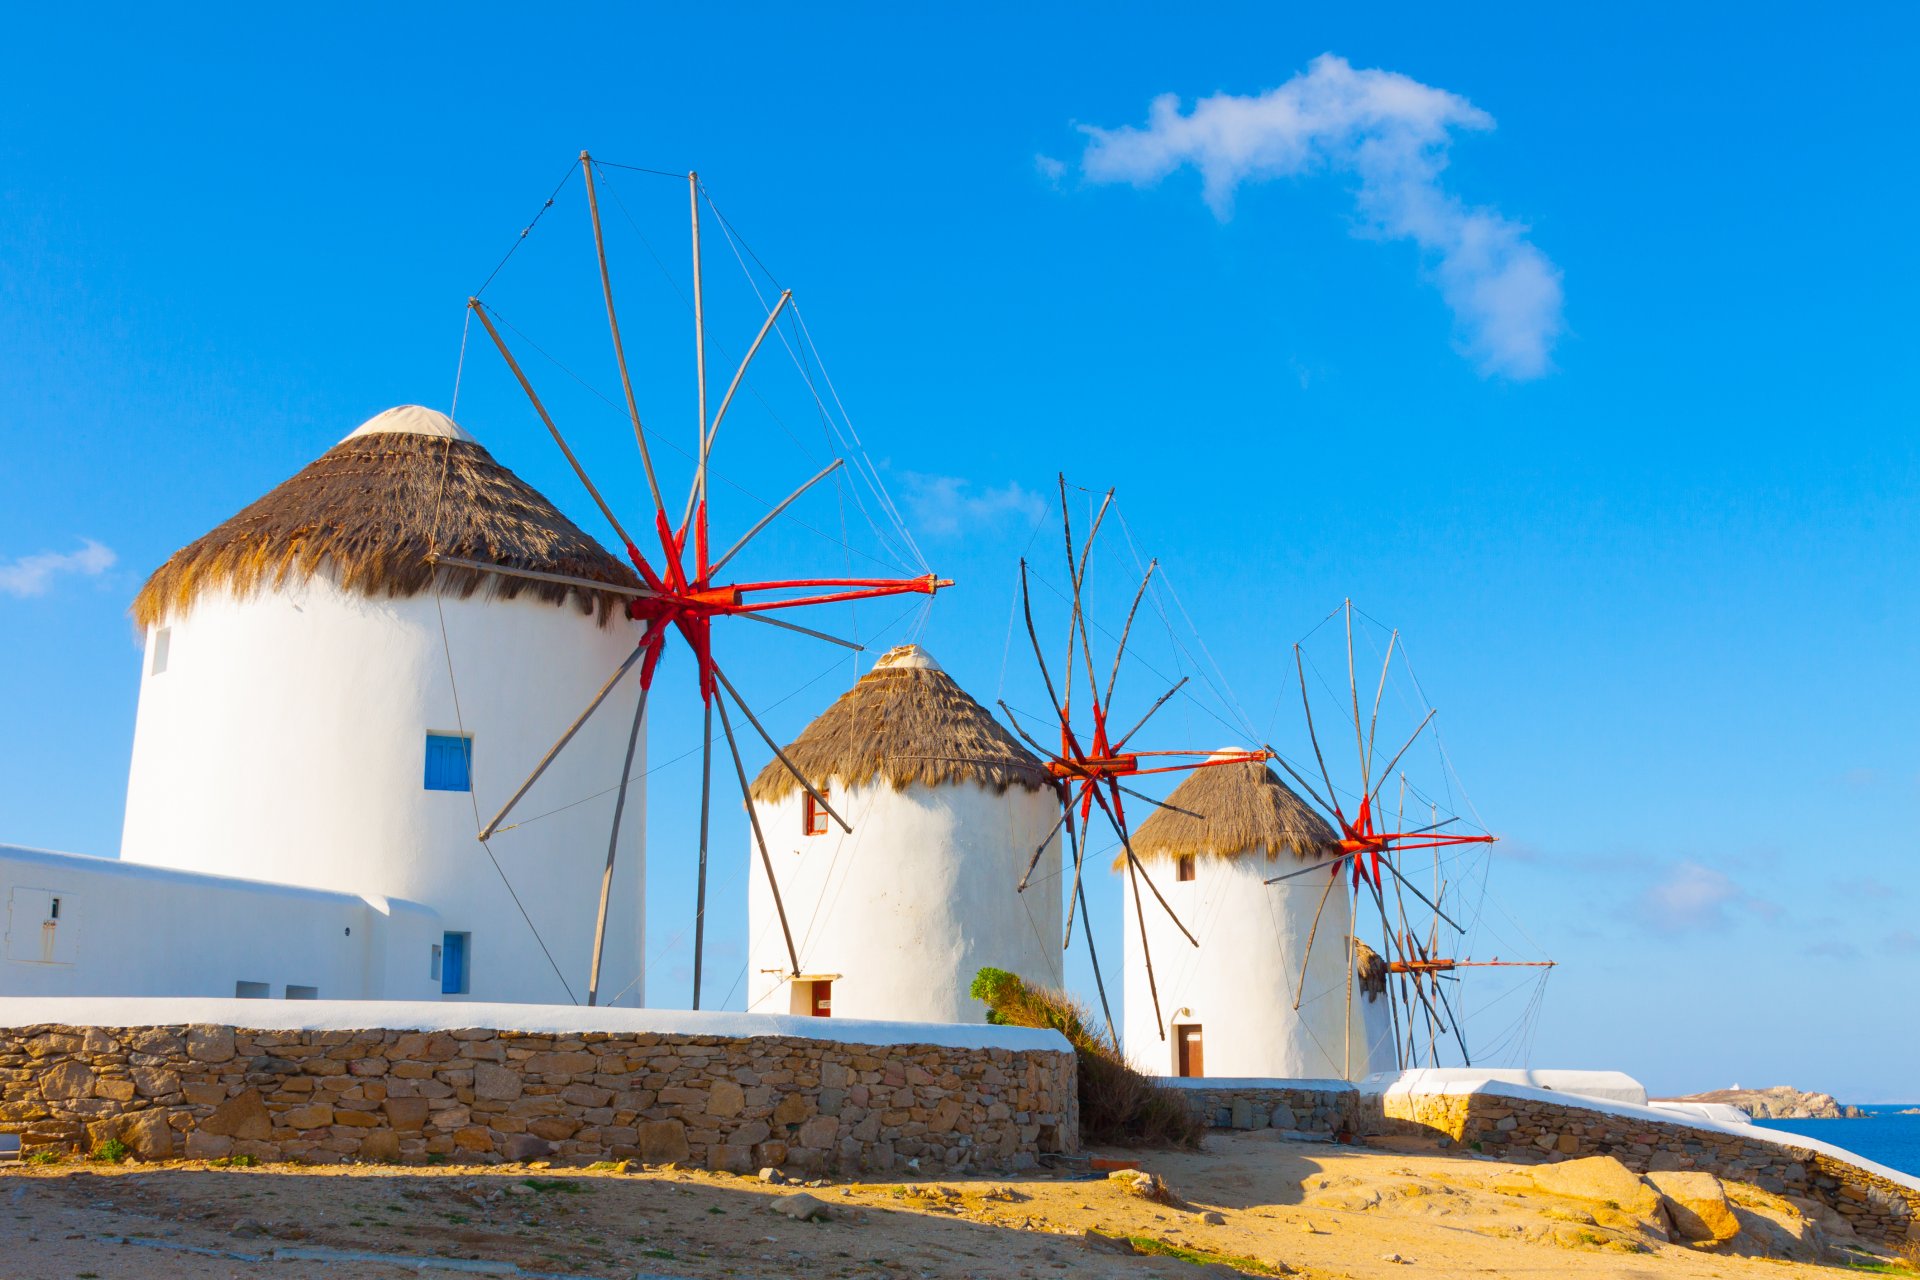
column 130, row 930
column 904, row 911
column 285, row 741
column 1239, row 983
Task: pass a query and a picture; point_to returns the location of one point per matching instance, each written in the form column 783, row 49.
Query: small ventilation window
column 433, row 965
column 162, row 645
column 1183, row 867
column 302, row 993
column 813, row 814
column 252, row 990
column 449, row 762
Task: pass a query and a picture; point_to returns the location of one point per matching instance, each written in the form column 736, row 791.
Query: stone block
column 499, row 1084
column 725, row 1098
column 553, row 1128
column 382, row 1146
column 202, row 1093
column 207, row 1146
column 473, row 1138
column 663, row 1142
column 730, row 1157
column 316, row 1115
column 114, row 1090
column 66, row 1079
column 792, row 1109
column 148, row 1133
column 408, row 1115
column 525, row 1146
column 817, row 1132
column 210, row 1043
column 244, row 1116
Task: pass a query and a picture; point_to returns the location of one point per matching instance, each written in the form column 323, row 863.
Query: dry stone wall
column 1298, row 1109
column 735, row 1103
column 1526, row 1129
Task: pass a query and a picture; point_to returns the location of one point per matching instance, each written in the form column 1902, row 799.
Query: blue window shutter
column 453, row 964
column 449, row 762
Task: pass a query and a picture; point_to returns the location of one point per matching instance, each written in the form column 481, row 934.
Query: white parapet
column 547, row 1020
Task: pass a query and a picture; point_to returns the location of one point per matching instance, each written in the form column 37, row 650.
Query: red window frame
column 813, row 814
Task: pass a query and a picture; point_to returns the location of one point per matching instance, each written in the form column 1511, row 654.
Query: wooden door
column 820, row 999
column 1187, row 1045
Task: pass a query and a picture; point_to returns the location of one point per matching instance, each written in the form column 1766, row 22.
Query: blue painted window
column 453, row 963
column 449, row 762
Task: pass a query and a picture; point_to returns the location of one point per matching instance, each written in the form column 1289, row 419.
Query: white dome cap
column 413, row 420
column 910, row 656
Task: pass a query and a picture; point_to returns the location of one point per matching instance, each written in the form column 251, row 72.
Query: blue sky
column 1580, row 350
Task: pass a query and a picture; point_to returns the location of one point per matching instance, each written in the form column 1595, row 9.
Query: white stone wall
column 905, row 910
column 285, row 741
column 126, row 929
column 1239, row 983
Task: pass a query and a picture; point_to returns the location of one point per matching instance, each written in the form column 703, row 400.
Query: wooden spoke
column 1313, row 792
column 699, row 342
column 619, row 349
column 1035, row 860
column 720, row 414
column 1162, row 804
column 613, row 847
column 805, row 631
column 1388, row 864
column 487, row 831
column 767, row 519
column 1126, row 842
column 486, row 321
column 1120, row 650
column 1146, row 949
column 541, row 575
column 819, row 797
column 1315, row 738
column 1374, row 723
column 1128, row 735
column 700, row 893
column 1026, row 604
column 1300, row 989
column 1353, row 688
column 1093, row 955
column 1386, row 772
column 759, row 838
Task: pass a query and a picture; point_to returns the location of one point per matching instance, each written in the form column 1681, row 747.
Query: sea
column 1883, row 1135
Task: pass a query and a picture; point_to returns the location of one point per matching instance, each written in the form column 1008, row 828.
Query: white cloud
column 944, row 506
column 1049, row 168
column 1390, row 132
column 33, row 575
column 1692, row 898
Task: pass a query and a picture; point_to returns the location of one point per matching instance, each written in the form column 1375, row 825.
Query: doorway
column 1188, row 1057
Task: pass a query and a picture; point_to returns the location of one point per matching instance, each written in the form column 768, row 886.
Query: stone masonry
column 1291, row 1108
column 480, row 1095
column 1525, row 1129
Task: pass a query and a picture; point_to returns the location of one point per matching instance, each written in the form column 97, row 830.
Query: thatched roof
column 1244, row 808
column 371, row 509
column 908, row 722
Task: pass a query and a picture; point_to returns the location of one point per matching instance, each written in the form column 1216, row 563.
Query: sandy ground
column 1285, row 1208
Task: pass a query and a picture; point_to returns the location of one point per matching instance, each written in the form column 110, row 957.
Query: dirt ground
column 1282, row 1208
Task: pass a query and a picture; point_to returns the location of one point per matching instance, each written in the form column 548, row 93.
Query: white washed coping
column 1230, row 1083
column 536, row 1019
column 1459, row 1081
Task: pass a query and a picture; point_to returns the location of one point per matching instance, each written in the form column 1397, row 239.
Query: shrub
column 1118, row 1105
column 112, row 1151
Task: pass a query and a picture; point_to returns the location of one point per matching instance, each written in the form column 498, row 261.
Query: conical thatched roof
column 908, row 722
column 1245, row 809
column 371, row 509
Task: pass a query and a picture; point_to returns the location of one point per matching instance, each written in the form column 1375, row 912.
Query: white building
column 322, row 708
column 893, row 920
column 1226, row 1007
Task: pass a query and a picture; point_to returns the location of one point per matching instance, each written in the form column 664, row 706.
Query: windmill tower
column 299, row 719
column 1255, row 998
column 892, row 919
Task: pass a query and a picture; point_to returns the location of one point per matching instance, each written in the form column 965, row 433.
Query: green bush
column 112, row 1151
column 1118, row 1105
